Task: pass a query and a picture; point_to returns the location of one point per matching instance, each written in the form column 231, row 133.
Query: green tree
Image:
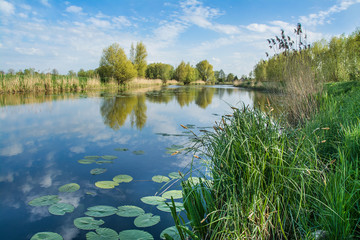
column 222, row 76
column 81, row 73
column 185, row 73
column 140, row 59
column 159, row 71
column 114, row 64
column 230, row 77
column 205, row 70
column 71, row 73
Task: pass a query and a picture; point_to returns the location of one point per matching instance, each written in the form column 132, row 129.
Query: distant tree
column 230, row 77
column 81, row 73
column 11, row 71
column 222, row 76
column 54, row 72
column 29, row 72
column 180, row 72
column 132, row 53
column 205, row 70
column 140, row 59
column 71, row 73
column 114, row 64
column 159, row 71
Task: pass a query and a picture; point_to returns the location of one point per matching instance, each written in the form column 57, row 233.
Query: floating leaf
column 86, row 161
column 146, row 220
column 176, row 194
column 138, row 152
column 87, row 223
column 47, row 236
column 109, row 157
column 97, row 171
column 102, row 234
column 101, row 211
column 45, row 200
column 91, row 193
column 122, row 178
column 174, row 175
column 153, row 200
column 135, row 235
column 71, row 187
column 160, row 179
column 106, row 184
column 129, row 211
column 165, row 208
column 172, row 232
column 61, row 208
column 92, row 157
column 121, row 149
column 104, row 161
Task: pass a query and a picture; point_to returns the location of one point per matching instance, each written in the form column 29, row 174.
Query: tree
column 205, row 70
column 222, row 76
column 72, row 73
column 185, row 73
column 140, row 59
column 114, row 64
column 159, row 71
column 230, row 77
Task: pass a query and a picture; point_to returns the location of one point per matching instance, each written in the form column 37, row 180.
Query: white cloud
column 99, row 23
column 6, row 8
column 121, row 21
column 74, row 9
column 45, row 3
column 26, row 7
column 23, row 15
column 28, row 51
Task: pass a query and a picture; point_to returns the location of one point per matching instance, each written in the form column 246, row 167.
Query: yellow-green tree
column 205, row 70
column 139, row 59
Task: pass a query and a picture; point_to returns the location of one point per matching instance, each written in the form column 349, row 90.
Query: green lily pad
column 86, row 161
column 102, row 234
column 97, row 171
column 101, row 211
column 104, row 161
column 174, row 175
column 153, row 200
column 122, row 178
column 135, row 235
column 61, row 208
column 44, row 200
column 106, row 184
column 87, row 223
column 91, row 193
column 121, row 149
column 172, row 232
column 109, row 157
column 146, row 220
column 129, row 211
column 71, row 187
column 47, row 236
column 160, row 179
column 92, row 157
column 138, row 152
column 165, row 208
column 176, row 194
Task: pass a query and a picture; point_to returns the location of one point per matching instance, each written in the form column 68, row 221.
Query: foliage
column 139, row 59
column 185, row 73
column 159, row 71
column 205, row 69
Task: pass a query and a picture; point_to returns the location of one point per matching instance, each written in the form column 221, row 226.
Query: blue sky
column 230, row 34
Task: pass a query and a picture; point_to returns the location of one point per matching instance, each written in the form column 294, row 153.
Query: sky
column 230, row 34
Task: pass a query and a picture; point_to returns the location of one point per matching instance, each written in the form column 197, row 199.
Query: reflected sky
column 43, row 137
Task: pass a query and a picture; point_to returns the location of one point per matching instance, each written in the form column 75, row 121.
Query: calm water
column 43, row 137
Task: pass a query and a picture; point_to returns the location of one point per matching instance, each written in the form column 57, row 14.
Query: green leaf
column 102, row 234
column 153, row 200
column 71, row 187
column 176, row 194
column 129, row 211
column 92, row 157
column 135, row 235
column 87, row 223
column 174, row 175
column 160, row 179
column 172, row 232
column 138, row 152
column 101, row 211
column 97, row 171
column 86, row 161
column 122, row 178
column 47, row 236
column 45, row 200
column 165, row 208
column 109, row 157
column 104, row 161
column 146, row 220
column 61, row 208
column 121, row 149
column 106, row 184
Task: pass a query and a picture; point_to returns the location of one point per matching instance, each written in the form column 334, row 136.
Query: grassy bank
column 260, row 86
column 269, row 180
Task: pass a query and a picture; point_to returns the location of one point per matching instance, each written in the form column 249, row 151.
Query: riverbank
column 260, row 86
column 269, row 180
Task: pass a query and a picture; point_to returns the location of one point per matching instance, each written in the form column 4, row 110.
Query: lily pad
column 92, row 157
column 121, row 149
column 102, row 234
column 138, row 152
column 153, row 200
column 172, row 232
column 129, row 211
column 165, row 208
column 87, row 223
column 160, row 179
column 146, row 220
column 176, row 194
column 101, row 211
column 86, row 161
column 106, row 184
column 47, row 236
column 135, row 235
column 91, row 193
column 174, row 175
column 122, row 178
column 45, row 200
column 97, row 171
column 71, row 187
column 104, row 161
column 61, row 208
column 109, row 157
